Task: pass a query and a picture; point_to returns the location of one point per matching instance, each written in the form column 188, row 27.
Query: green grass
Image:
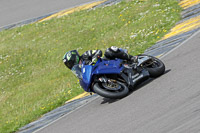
column 33, row 78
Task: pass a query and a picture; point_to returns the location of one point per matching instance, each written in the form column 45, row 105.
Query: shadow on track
column 109, row 101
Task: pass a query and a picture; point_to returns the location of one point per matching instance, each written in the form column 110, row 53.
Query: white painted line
column 66, row 114
column 197, row 32
column 99, row 96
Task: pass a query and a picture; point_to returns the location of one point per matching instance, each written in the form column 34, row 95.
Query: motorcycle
column 115, row 78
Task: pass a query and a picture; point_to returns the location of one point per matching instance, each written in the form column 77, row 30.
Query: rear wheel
column 113, row 90
column 154, row 66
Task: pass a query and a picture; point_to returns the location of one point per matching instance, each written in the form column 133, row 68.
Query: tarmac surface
column 15, row 11
column 168, row 104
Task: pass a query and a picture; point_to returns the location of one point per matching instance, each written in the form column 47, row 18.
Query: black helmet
column 71, row 58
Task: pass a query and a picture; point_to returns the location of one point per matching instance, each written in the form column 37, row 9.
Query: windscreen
column 76, row 69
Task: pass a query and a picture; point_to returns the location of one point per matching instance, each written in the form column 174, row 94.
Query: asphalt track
column 168, row 104
column 14, row 11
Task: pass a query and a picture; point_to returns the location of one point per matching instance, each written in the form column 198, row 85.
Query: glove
column 94, row 60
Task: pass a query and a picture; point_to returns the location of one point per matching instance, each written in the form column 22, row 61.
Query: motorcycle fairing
column 108, row 67
column 101, row 67
column 86, row 80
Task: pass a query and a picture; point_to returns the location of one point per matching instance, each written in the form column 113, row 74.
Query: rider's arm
column 90, row 54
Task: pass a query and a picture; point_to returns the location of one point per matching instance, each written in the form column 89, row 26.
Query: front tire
column 105, row 92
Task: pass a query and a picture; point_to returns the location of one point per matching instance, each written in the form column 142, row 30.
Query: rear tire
column 102, row 91
column 157, row 68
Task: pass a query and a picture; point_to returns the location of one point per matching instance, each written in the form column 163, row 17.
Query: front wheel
column 155, row 67
column 114, row 90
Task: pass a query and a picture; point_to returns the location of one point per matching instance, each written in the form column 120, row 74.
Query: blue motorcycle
column 115, row 78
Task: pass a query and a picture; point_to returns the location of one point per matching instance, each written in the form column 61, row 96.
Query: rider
column 73, row 60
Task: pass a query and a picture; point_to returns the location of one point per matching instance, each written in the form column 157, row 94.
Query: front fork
column 129, row 75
